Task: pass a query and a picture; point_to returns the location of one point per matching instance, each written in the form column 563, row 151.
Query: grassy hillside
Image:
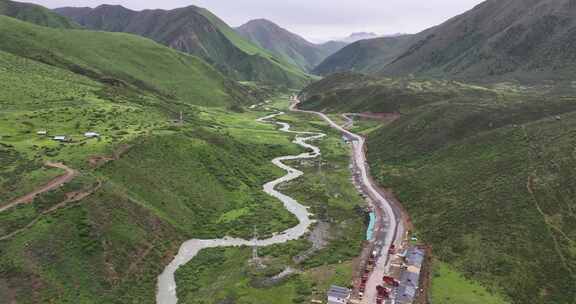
column 486, row 174
column 366, row 56
column 121, row 60
column 105, row 236
column 202, row 180
column 218, row 275
column 196, row 31
column 527, row 41
column 349, row 92
column 35, row 14
column 517, row 39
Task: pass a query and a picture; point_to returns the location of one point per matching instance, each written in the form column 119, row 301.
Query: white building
column 61, row 138
column 91, row 135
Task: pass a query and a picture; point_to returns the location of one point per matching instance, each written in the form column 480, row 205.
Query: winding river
column 166, row 293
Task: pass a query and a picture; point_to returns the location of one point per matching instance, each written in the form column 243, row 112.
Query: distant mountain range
column 288, row 45
column 196, row 31
column 524, row 40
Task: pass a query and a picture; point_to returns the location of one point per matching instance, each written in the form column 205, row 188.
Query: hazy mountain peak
column 358, row 36
column 290, row 46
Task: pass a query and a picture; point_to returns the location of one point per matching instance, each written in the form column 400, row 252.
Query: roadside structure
column 410, row 276
column 338, row 295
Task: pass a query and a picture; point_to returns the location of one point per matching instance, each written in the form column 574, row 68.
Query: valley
column 179, row 156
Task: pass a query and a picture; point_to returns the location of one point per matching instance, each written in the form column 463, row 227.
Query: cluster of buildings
column 410, row 276
column 66, row 138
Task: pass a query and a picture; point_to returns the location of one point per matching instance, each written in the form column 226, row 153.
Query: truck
column 382, row 294
column 390, row 281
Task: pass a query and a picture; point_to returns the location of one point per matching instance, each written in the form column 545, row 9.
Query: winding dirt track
column 166, row 292
column 51, row 185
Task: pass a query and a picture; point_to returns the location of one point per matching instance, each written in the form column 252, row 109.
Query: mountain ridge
column 496, row 40
column 288, row 45
column 196, row 31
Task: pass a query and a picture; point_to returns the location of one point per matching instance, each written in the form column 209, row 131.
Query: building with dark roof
column 338, row 295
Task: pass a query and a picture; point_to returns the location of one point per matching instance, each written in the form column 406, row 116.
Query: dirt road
column 389, row 227
column 51, row 185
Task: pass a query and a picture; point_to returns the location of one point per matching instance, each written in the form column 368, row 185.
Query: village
column 401, row 279
column 66, row 138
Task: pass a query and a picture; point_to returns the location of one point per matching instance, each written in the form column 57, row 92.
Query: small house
column 42, row 133
column 62, row 138
column 338, row 295
column 91, row 135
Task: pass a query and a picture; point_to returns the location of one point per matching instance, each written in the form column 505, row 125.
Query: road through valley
column 389, row 227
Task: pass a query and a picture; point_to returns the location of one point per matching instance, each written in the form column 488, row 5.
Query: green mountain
column 509, row 39
column 195, row 31
column 367, row 56
column 121, row 59
column 35, row 14
column 486, row 172
column 144, row 186
column 289, row 46
column 528, row 40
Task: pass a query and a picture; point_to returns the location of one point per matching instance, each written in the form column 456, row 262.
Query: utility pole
column 255, row 258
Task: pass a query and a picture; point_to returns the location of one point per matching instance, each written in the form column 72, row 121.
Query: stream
column 166, row 292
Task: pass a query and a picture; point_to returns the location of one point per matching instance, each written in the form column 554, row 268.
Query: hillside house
column 338, row 295
column 62, row 138
column 91, row 135
column 42, row 133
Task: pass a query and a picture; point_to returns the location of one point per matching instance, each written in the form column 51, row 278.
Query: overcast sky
column 314, row 19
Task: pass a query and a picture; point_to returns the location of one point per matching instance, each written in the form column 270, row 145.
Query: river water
column 166, row 287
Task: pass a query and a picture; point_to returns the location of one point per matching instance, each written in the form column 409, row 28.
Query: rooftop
column 338, row 292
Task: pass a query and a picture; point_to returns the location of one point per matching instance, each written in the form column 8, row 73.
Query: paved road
column 51, row 185
column 166, row 293
column 389, row 228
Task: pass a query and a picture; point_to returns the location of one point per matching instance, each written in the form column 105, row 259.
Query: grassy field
column 226, row 275
column 486, row 174
column 68, row 82
column 450, row 287
column 200, row 180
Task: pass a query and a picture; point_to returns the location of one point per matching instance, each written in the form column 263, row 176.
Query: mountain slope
column 121, row 58
column 144, row 186
column 289, row 46
column 365, row 55
column 509, row 39
column 487, row 174
column 525, row 39
column 34, row 14
column 196, row 31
